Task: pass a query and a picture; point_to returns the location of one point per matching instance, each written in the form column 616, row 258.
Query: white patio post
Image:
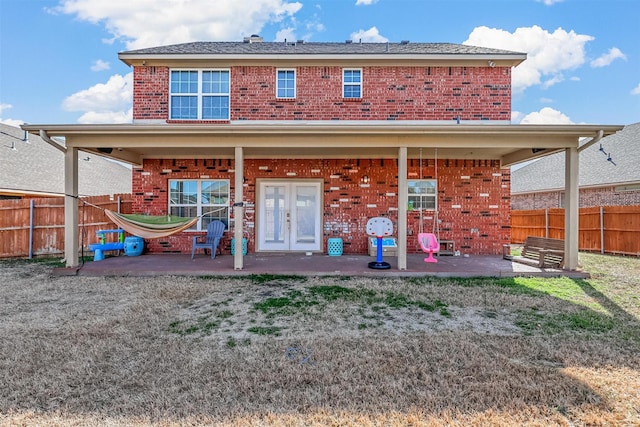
column 403, row 199
column 571, row 209
column 71, row 207
column 238, row 210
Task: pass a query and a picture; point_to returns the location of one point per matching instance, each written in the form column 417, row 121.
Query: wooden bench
column 542, row 252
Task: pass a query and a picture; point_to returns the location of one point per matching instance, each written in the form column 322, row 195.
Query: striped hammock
column 150, row 227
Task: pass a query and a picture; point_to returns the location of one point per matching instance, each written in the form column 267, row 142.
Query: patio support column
column 403, row 199
column 71, row 207
column 238, row 210
column 571, row 209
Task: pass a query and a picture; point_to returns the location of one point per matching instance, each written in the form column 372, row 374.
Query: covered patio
column 313, row 265
column 510, row 144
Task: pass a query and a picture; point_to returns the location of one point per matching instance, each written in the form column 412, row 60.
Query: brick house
column 609, row 175
column 294, row 143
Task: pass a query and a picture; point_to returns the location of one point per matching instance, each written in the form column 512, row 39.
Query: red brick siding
column 473, row 198
column 589, row 197
column 389, row 93
column 150, row 93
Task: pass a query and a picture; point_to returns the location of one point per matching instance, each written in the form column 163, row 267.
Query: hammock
column 150, row 227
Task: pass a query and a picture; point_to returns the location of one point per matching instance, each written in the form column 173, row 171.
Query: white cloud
column 145, row 23
column 369, row 36
column 606, row 59
column 636, row 90
column 92, row 117
column 10, row 122
column 104, row 102
column 546, row 115
column 365, row 2
column 100, row 65
column 546, row 100
column 549, row 2
column 548, row 54
column 4, row 107
column 288, row 34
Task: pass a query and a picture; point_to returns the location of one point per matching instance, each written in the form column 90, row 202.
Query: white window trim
column 361, row 84
column 295, row 83
column 199, row 205
column 423, row 196
column 199, row 94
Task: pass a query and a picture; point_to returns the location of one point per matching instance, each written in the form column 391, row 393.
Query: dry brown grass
column 168, row 351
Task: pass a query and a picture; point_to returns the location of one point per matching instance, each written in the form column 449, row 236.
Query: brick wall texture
column 388, row 93
column 474, row 195
column 589, row 197
column 474, row 201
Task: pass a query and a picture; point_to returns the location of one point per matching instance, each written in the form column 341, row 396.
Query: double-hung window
column 423, row 195
column 199, row 94
column 207, row 199
column 351, row 83
column 286, row 84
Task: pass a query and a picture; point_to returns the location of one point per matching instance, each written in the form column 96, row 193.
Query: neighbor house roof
column 313, row 50
column 547, row 173
column 30, row 166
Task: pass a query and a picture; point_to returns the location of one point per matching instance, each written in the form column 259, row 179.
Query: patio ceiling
column 134, row 142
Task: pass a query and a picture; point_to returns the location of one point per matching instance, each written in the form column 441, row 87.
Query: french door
column 289, row 216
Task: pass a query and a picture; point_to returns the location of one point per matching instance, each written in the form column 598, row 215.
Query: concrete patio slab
column 313, row 265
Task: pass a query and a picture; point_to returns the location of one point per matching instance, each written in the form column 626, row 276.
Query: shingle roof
column 547, row 174
column 34, row 166
column 315, row 48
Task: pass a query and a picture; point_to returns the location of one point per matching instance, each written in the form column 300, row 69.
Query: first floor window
column 423, row 195
column 199, row 94
column 207, row 199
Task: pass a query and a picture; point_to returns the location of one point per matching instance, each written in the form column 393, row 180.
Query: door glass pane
column 306, row 208
column 274, row 214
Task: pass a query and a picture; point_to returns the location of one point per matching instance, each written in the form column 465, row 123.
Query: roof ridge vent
column 253, row 38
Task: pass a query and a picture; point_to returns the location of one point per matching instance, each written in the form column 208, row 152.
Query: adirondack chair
column 215, row 230
column 429, row 244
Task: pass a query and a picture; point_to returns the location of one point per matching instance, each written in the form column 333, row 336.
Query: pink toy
column 429, row 243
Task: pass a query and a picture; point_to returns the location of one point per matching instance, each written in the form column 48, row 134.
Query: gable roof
column 34, row 167
column 547, row 173
column 316, row 51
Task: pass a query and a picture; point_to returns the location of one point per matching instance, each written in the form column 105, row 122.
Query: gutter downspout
column 45, row 138
column 597, row 138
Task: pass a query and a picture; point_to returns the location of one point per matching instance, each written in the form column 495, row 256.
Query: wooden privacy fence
column 604, row 229
column 31, row 227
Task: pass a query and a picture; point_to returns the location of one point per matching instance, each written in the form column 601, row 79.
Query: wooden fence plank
column 48, row 223
column 620, row 228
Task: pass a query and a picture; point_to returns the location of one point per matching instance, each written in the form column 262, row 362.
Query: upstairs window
column 286, row 84
column 199, row 95
column 352, row 83
column 193, row 198
column 423, row 195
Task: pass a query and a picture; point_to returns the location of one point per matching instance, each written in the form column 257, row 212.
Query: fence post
column 601, row 230
column 119, row 204
column 546, row 223
column 31, row 203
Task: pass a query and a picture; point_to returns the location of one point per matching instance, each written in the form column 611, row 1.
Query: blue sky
column 59, row 64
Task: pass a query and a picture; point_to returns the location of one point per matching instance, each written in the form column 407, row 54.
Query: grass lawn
column 288, row 350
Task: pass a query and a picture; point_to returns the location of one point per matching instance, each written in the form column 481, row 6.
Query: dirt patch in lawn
column 318, row 351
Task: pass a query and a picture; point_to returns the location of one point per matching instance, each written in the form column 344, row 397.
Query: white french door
column 289, row 216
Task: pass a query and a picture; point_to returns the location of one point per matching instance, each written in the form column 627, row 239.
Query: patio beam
column 71, row 207
column 403, row 198
column 238, row 210
column 571, row 211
